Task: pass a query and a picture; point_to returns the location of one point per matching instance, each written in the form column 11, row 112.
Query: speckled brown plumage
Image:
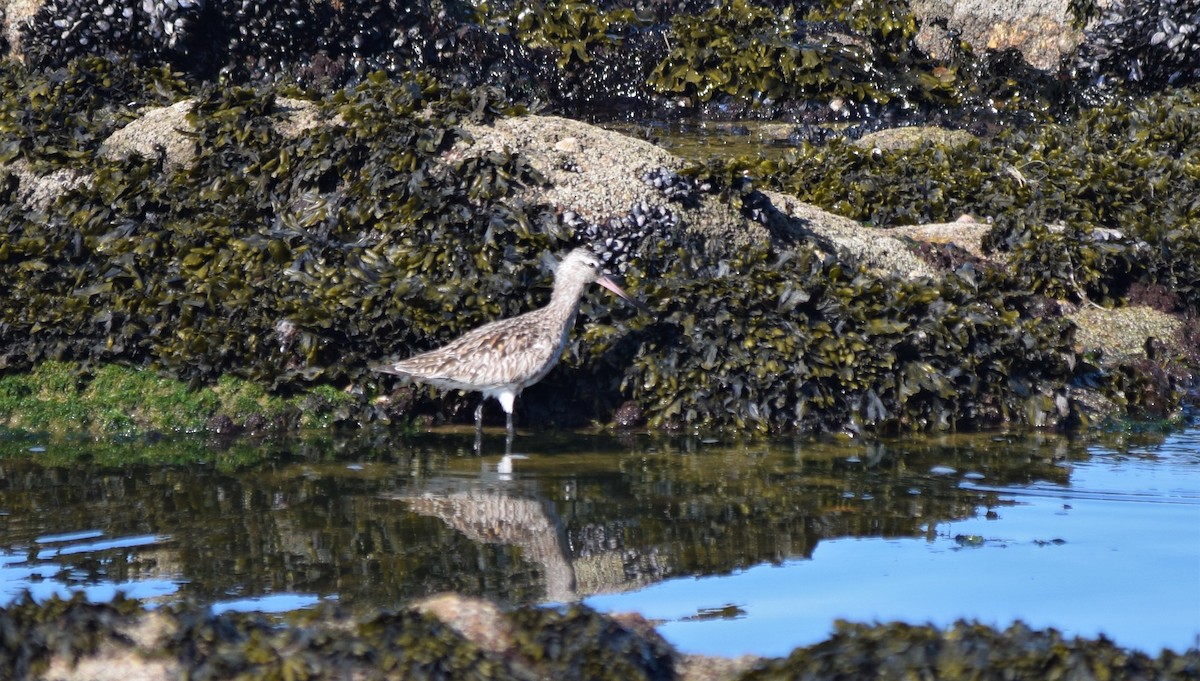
column 502, row 358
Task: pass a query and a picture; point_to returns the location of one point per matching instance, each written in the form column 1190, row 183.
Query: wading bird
column 502, row 358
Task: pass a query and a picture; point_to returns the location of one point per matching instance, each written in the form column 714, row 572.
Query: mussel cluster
column 639, row 234
column 242, row 38
column 764, row 57
column 1146, row 43
column 674, row 186
column 64, row 29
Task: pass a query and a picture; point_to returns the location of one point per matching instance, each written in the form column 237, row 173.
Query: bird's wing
column 507, row 352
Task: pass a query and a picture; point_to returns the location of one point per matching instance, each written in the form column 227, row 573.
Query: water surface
column 734, row 547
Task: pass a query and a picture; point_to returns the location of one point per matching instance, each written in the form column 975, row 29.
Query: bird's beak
column 612, row 286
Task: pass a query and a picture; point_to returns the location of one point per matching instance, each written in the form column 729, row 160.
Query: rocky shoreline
column 216, row 215
column 585, row 175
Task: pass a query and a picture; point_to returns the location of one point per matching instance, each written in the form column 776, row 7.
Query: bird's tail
column 390, row 368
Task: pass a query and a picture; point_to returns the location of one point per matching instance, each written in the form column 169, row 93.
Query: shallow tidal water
column 733, row 547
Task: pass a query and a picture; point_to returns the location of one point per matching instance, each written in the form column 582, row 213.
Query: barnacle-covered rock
column 1043, row 32
column 162, row 134
column 966, row 233
column 892, row 139
column 38, row 192
column 1124, row 333
column 875, row 248
column 615, row 187
column 166, row 134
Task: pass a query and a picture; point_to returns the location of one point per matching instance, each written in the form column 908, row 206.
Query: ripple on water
column 737, row 548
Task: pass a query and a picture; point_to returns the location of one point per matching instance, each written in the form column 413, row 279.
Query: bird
column 502, row 358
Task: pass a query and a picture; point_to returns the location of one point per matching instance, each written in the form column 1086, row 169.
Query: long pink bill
column 612, row 286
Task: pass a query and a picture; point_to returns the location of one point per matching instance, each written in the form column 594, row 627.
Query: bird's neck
column 564, row 301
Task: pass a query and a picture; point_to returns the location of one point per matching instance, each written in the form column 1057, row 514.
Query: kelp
column 338, row 235
column 1087, row 207
column 373, row 236
column 57, row 118
column 778, row 342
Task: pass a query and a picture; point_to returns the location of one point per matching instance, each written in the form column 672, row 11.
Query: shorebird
column 502, row 358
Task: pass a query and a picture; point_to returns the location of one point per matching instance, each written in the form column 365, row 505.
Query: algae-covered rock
column 391, row 225
column 892, row 139
column 968, row 650
column 168, row 132
column 76, row 639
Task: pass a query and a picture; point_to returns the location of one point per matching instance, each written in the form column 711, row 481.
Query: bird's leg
column 508, row 440
column 479, row 428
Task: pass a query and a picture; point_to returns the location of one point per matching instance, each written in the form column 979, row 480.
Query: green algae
column 67, row 399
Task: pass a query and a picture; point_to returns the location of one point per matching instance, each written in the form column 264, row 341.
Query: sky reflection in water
column 737, row 549
column 1127, row 569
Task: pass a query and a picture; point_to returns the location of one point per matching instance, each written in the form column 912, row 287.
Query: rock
column 220, row 424
column 1122, row 333
column 160, row 131
column 17, row 13
column 876, row 248
column 1042, row 31
column 892, row 139
column 605, row 179
column 965, row 233
column 628, row 415
column 479, row 621
column 38, row 192
column 166, row 130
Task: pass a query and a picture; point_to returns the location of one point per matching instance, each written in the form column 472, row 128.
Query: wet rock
column 221, row 424
column 257, row 423
column 629, row 415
